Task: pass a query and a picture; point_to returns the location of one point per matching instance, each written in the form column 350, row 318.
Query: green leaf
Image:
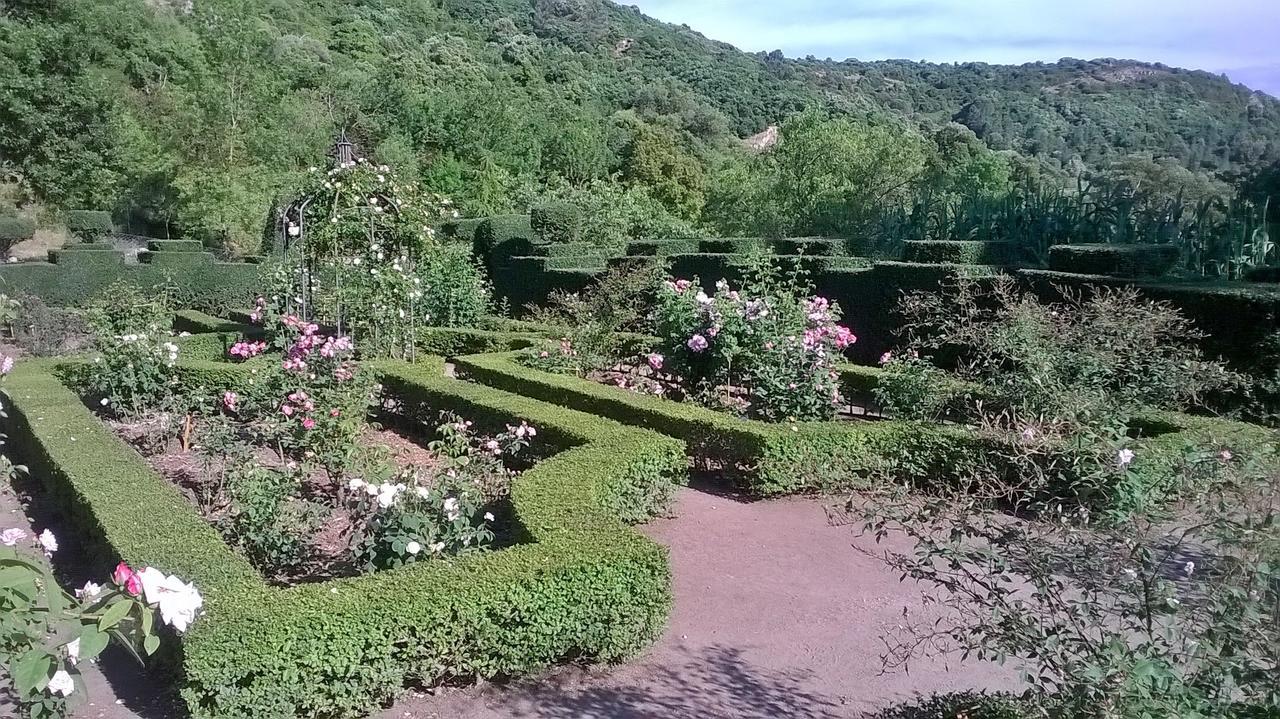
column 92, row 642
column 151, row 644
column 114, row 614
column 32, row 671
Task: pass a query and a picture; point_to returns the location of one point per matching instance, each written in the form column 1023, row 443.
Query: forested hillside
column 190, row 116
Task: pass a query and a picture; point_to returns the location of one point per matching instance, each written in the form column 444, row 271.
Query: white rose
column 48, row 541
column 413, row 547
column 61, row 684
column 178, row 601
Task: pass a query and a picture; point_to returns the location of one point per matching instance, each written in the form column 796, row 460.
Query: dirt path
column 776, row 615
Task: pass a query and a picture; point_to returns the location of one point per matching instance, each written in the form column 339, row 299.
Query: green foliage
column 14, row 230
column 506, row 98
column 556, row 222
column 89, row 225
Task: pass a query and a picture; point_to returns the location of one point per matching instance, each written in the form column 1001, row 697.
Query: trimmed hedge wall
column 77, row 274
column 660, row 248
column 1113, row 260
column 960, row 252
column 769, row 459
column 455, row 341
column 584, row 586
column 1263, row 274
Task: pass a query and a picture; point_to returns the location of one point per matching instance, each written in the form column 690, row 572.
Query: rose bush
column 768, row 351
column 47, row 633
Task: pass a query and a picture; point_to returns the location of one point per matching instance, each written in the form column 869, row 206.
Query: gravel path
column 777, row 614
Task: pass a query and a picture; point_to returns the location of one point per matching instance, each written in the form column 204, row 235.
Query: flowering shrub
column 407, row 519
column 312, row 404
column 414, row 516
column 768, row 351
column 133, row 352
column 45, row 633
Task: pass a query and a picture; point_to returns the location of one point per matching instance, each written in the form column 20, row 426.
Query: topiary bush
column 557, row 222
column 89, row 225
column 14, row 230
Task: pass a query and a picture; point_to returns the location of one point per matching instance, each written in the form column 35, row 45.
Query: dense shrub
column 14, row 230
column 557, row 222
column 1056, row 384
column 455, row 292
column 89, row 225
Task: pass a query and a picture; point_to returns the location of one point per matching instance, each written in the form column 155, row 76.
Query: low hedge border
column 196, row 322
column 772, row 459
column 585, row 585
column 769, row 459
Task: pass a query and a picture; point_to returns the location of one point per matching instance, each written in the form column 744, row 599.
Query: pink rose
column 127, row 579
column 308, row 423
column 655, row 361
column 286, row 410
column 697, row 343
column 230, row 399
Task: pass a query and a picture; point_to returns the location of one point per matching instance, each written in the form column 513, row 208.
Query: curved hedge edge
column 588, row 586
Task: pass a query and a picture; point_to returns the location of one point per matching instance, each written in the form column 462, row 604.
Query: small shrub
column 44, row 331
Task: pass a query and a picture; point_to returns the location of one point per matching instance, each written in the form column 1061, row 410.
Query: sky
column 1240, row 38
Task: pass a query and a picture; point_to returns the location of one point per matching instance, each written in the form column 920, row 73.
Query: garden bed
column 325, row 533
column 583, row 585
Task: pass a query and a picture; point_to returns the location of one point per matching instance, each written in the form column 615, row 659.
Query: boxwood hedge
column 775, row 459
column 584, row 585
column 1113, row 260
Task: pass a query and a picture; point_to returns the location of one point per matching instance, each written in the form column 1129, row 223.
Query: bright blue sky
column 1238, row 37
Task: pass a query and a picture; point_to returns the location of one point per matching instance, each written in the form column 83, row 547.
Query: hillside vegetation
column 191, row 116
